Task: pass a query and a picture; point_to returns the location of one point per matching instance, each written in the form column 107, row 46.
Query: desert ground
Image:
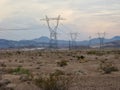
column 90, row 69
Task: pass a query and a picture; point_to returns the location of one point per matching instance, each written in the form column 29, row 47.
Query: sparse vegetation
column 117, row 56
column 80, row 57
column 53, row 83
column 3, row 64
column 55, row 70
column 98, row 53
column 107, row 67
column 20, row 70
column 62, row 63
column 18, row 52
column 57, row 73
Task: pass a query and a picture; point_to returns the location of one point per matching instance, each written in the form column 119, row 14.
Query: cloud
column 84, row 16
column 5, row 10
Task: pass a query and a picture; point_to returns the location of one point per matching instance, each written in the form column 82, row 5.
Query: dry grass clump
column 107, row 67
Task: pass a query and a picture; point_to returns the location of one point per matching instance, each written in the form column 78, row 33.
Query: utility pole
column 73, row 43
column 101, row 37
column 53, row 31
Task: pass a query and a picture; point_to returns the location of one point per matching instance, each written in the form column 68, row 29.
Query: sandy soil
column 84, row 66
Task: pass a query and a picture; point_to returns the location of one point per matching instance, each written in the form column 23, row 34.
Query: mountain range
column 44, row 41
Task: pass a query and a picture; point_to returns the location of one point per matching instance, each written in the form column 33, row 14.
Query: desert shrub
column 91, row 52
column 98, row 53
column 40, row 54
column 57, row 73
column 69, row 54
column 59, row 56
column 116, row 56
column 96, row 58
column 73, row 56
column 62, row 63
column 108, row 52
column 21, row 61
column 9, row 54
column 18, row 52
column 80, row 57
column 107, row 67
column 83, row 60
column 20, row 70
column 52, row 83
column 16, row 60
column 3, row 64
column 116, row 51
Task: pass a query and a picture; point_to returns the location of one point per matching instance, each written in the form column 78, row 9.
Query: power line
column 12, row 29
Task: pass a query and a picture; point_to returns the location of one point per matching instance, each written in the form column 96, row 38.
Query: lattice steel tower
column 101, row 37
column 73, row 43
column 89, row 43
column 53, row 31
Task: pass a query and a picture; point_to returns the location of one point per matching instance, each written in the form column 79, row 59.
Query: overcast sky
column 86, row 17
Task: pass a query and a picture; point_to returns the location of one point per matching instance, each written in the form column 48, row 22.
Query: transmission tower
column 53, row 31
column 73, row 43
column 101, row 37
column 89, row 44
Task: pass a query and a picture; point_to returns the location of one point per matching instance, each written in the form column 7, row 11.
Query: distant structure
column 101, row 37
column 89, row 43
column 53, row 31
column 73, row 43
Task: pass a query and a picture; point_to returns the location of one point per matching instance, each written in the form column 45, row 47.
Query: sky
column 86, row 17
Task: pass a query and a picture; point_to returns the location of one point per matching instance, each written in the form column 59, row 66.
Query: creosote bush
column 107, row 67
column 80, row 57
column 57, row 73
column 62, row 63
column 18, row 52
column 53, row 83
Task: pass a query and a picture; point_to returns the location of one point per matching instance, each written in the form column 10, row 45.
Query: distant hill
column 114, row 44
column 44, row 41
column 7, row 43
column 115, row 38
